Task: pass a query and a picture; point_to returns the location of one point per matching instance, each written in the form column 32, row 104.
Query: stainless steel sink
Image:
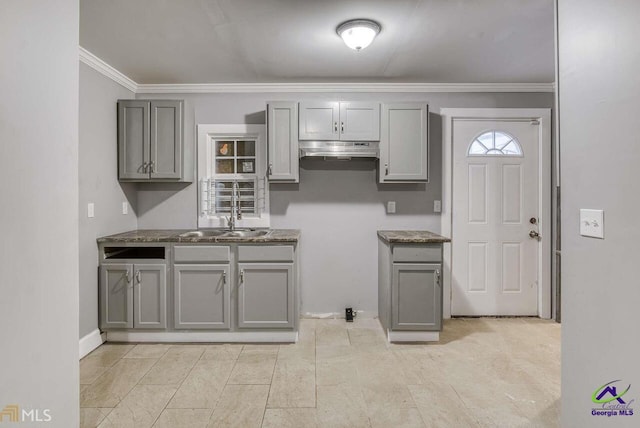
column 245, row 233
column 240, row 233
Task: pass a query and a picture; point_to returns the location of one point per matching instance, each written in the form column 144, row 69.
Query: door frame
column 543, row 115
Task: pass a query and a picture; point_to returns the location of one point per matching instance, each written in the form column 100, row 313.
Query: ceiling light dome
column 358, row 33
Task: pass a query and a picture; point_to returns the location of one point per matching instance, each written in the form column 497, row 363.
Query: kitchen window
column 232, row 169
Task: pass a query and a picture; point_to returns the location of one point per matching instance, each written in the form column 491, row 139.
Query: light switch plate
column 391, row 207
column 437, row 206
column 90, row 210
column 592, row 223
column 125, row 208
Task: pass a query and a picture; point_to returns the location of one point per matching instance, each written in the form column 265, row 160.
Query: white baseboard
column 90, row 342
column 339, row 315
column 413, row 336
column 205, row 336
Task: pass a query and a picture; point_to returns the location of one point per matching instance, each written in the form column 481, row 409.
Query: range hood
column 340, row 150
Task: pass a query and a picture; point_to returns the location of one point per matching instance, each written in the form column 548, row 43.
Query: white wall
column 337, row 205
column 98, row 183
column 39, row 210
column 599, row 90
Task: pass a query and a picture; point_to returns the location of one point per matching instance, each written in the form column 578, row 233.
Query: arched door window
column 495, row 143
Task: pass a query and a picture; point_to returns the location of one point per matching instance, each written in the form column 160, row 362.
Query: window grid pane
column 495, row 143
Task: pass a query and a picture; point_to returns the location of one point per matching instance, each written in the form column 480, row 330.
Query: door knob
column 534, row 234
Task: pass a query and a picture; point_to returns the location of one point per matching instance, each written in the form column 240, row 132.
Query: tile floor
column 483, row 373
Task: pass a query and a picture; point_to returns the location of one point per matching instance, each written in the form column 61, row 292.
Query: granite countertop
column 411, row 237
column 173, row 235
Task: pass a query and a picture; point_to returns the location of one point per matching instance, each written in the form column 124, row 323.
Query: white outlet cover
column 90, row 210
column 592, row 223
column 125, row 208
column 391, row 207
column 437, row 206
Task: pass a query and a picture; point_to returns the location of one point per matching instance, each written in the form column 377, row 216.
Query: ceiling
column 294, row 41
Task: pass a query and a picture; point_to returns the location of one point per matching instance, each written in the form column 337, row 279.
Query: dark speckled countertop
column 173, row 235
column 411, row 237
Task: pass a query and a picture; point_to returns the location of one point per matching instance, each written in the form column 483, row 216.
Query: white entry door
column 495, row 217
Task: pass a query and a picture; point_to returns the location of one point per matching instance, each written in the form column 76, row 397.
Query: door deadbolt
column 533, row 220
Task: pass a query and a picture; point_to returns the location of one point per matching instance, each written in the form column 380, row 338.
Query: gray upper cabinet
column 150, row 140
column 265, row 295
column 416, row 297
column 116, row 296
column 150, row 296
column 133, row 296
column 347, row 121
column 202, row 296
column 282, row 126
column 404, row 148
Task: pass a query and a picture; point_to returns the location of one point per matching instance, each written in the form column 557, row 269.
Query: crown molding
column 341, row 87
column 242, row 88
column 105, row 69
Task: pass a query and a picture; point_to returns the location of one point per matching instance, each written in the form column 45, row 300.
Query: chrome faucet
column 236, row 210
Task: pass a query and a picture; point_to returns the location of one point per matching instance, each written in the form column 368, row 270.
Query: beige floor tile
column 112, row 350
column 140, row 408
column 91, row 417
column 293, row 384
column 336, row 372
column 341, row 407
column 174, row 366
column 440, row 406
column 115, row 383
column 329, row 334
column 99, row 360
column 183, row 418
column 263, row 349
column 240, row 406
column 253, row 368
column 290, row 418
column 364, row 336
column 385, row 417
column 222, row 352
column 387, row 395
column 305, row 351
column 202, row 387
column 91, row 369
column 148, row 351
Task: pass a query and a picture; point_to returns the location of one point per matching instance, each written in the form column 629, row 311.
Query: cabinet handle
column 224, row 277
column 386, row 169
column 138, row 277
column 437, row 276
column 128, row 277
column 342, row 127
column 145, row 165
column 270, row 170
column 152, row 166
column 335, row 126
column 242, row 276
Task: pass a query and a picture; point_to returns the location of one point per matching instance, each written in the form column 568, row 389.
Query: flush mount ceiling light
column 358, row 33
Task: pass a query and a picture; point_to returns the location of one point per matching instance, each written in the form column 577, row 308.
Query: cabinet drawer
column 201, row 253
column 417, row 253
column 265, row 253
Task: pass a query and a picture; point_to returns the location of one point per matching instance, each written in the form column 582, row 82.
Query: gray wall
column 39, row 210
column 98, row 183
column 338, row 206
column 599, row 90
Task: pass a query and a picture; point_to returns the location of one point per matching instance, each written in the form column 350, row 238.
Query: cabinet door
column 283, row 141
column 359, row 121
column 150, row 296
column 166, row 139
column 404, row 149
column 116, row 296
column 201, row 299
column 319, row 121
column 416, row 297
column 133, row 139
column 265, row 295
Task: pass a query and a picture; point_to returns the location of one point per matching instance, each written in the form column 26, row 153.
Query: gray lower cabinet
column 265, row 295
column 202, row 296
column 416, row 297
column 410, row 286
column 133, row 296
